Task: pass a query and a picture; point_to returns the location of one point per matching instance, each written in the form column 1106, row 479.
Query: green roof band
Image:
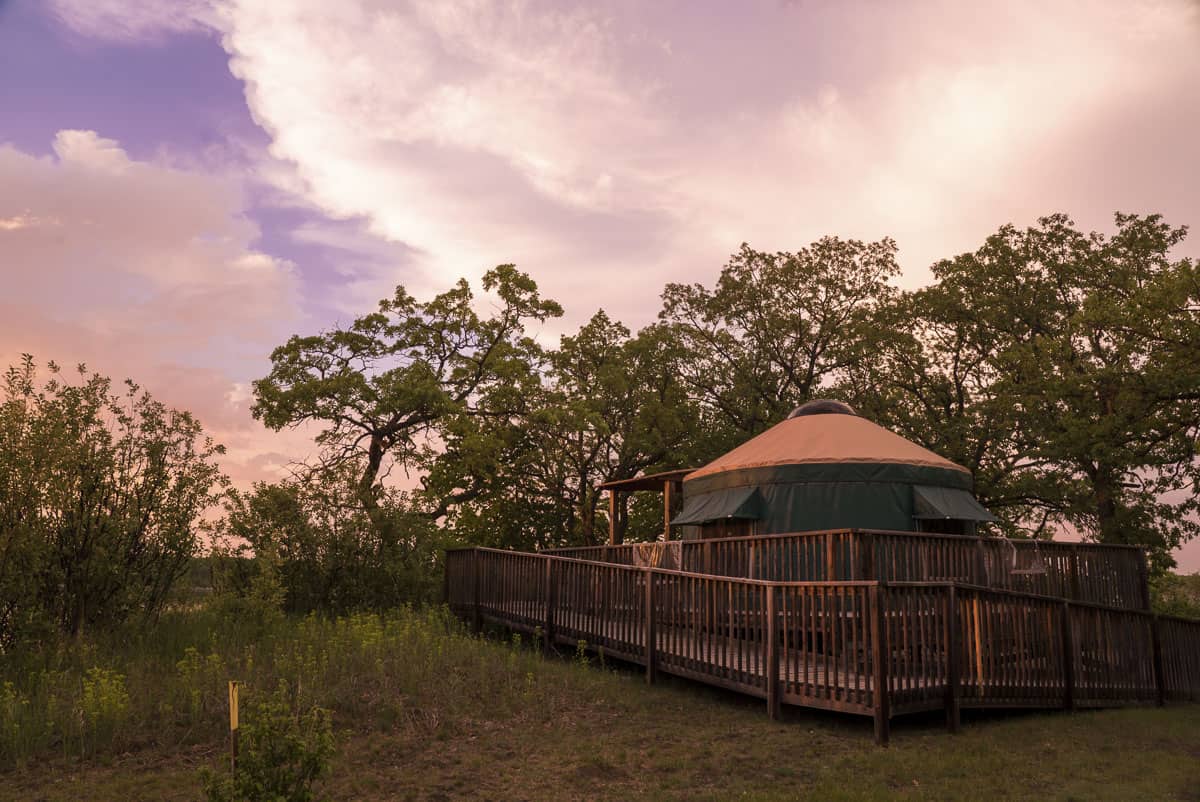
column 742, row 503
column 941, row 503
column 840, row 472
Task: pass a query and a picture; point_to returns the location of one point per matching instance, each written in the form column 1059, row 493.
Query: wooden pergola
column 669, row 483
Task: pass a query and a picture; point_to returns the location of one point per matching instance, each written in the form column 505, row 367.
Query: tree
column 317, row 540
column 932, row 378
column 390, row 387
column 1065, row 368
column 777, row 328
column 100, row 498
column 609, row 406
column 618, row 409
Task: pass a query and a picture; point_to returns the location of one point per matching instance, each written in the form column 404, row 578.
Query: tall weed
column 417, row 671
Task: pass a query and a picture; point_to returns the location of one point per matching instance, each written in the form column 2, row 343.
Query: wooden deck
column 866, row 647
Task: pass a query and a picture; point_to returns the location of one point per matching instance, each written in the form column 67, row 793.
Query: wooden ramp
column 865, row 647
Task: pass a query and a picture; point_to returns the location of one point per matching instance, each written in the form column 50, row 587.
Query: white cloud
column 134, row 20
column 607, row 151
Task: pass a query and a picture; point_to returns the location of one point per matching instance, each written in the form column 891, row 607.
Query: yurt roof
column 825, row 438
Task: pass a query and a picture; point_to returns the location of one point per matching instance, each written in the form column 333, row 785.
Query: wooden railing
column 870, row 647
column 1087, row 572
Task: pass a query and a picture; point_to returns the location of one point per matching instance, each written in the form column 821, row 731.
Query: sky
column 185, row 184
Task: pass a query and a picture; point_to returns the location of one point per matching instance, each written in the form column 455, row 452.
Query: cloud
column 145, row 271
column 134, row 20
column 608, row 150
column 613, row 147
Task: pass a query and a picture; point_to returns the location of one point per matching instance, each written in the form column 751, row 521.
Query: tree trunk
column 366, row 497
column 1106, row 494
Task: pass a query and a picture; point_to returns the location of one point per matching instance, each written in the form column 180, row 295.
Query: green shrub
column 103, row 705
column 281, row 754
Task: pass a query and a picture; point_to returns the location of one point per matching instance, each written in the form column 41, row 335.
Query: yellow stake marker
column 233, row 723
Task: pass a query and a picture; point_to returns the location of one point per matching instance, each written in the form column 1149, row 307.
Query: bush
column 100, row 498
column 1176, row 594
column 281, row 754
column 307, row 545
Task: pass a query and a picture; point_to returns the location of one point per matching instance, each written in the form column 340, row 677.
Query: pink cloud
column 144, row 271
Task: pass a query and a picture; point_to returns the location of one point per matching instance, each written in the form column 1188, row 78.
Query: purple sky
column 183, row 185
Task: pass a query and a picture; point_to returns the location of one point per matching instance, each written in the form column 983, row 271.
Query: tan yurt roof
column 825, row 438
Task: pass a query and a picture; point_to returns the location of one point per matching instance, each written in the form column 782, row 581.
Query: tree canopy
column 1061, row 367
column 776, row 328
column 387, row 388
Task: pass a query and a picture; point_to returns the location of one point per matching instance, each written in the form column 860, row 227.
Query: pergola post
column 666, row 483
column 612, row 516
column 667, row 510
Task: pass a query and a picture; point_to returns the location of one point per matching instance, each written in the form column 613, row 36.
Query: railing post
column 1160, row 690
column 981, row 577
column 1075, row 574
column 1068, row 652
column 881, row 656
column 772, row 656
column 1144, row 579
column 476, row 615
column 651, row 634
column 830, row 569
column 551, row 598
column 866, row 545
column 953, row 649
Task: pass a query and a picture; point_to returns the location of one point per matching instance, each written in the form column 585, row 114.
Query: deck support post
column 1068, row 657
column 953, row 650
column 772, row 656
column 881, row 655
column 651, row 634
column 550, row 598
column 1160, row 690
column 476, row 613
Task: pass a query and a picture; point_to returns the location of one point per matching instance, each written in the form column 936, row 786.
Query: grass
column 424, row 711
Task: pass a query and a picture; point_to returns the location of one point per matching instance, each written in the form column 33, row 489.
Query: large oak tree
column 394, row 385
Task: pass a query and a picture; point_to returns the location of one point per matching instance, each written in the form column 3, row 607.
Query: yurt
column 825, row 467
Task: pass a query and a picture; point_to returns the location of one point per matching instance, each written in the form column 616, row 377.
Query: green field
column 424, row 711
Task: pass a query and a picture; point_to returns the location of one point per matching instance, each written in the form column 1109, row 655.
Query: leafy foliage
column 610, row 406
column 777, row 328
column 1176, row 594
column 300, row 546
column 281, row 754
column 100, row 496
column 390, row 386
column 1062, row 368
